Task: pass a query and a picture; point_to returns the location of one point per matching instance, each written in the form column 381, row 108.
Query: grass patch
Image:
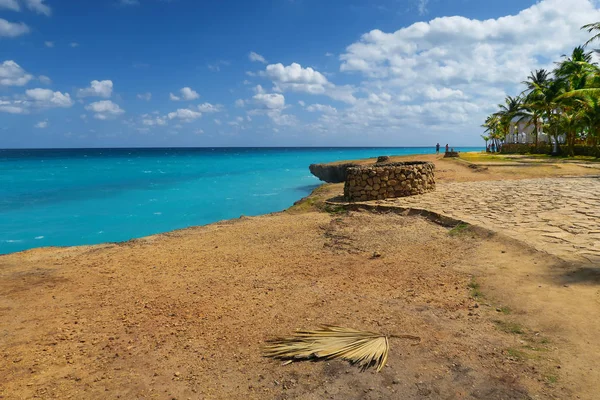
column 505, row 310
column 458, row 229
column 517, row 354
column 476, row 292
column 483, row 157
column 334, row 209
column 510, row 327
column 552, row 379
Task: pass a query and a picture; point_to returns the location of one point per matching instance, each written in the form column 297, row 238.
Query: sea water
column 88, row 196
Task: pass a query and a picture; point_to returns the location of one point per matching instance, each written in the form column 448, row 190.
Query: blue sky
column 119, row 73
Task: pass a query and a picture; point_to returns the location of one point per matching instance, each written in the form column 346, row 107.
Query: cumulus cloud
column 270, row 101
column 41, row 124
column 13, row 107
column 105, row 109
column 324, row 108
column 145, row 96
column 447, row 74
column 298, row 79
column 48, row 98
column 49, row 44
column 186, row 93
column 150, row 120
column 11, row 74
column 12, row 29
column 10, row 4
column 255, row 57
column 210, row 108
column 45, row 80
column 97, row 89
column 38, row 6
column 185, row 115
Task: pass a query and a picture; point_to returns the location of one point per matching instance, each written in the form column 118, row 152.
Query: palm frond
column 365, row 349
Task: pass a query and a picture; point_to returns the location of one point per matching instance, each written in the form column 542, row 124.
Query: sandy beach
column 504, row 298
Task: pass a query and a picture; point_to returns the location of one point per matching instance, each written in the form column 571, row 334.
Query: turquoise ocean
column 89, row 196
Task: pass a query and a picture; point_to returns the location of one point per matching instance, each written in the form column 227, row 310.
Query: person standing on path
column 437, row 148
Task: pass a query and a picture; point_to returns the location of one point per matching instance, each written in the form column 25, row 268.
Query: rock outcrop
column 330, row 173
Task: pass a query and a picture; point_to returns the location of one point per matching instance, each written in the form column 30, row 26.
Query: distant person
column 488, row 148
column 447, row 147
column 493, row 147
column 437, row 148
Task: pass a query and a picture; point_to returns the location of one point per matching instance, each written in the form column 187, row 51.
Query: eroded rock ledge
column 331, row 173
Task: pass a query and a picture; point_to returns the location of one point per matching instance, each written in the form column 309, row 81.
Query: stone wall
column 378, row 182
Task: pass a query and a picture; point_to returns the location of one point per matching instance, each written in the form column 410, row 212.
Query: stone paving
column 558, row 215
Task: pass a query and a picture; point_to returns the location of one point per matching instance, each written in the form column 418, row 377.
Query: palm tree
column 511, row 109
column 487, row 139
column 533, row 103
column 595, row 27
column 590, row 116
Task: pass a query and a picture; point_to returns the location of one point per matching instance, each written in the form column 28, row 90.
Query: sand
column 184, row 314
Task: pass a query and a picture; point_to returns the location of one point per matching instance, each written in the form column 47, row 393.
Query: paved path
column 558, row 215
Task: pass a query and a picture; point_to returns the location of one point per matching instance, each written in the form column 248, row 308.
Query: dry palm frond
column 365, row 349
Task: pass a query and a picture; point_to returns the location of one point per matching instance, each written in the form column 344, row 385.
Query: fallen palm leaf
column 365, row 349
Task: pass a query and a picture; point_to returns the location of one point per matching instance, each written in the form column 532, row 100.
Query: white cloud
column 97, row 89
column 295, row 74
column 129, row 2
column 186, row 93
column 199, row 131
column 149, row 120
column 12, row 29
column 185, row 115
column 145, row 96
column 74, row 44
column 296, row 78
column 45, row 80
column 13, row 107
column 189, row 94
column 38, row 6
column 324, row 108
column 255, row 57
column 216, row 67
column 41, row 125
column 271, row 101
column 217, row 121
column 444, row 76
column 105, row 109
column 302, row 103
column 240, row 103
column 10, row 4
column 422, row 6
column 48, row 98
column 210, row 108
column 11, row 74
column 49, row 44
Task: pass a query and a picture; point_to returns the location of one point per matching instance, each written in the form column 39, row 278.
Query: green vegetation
column 476, row 293
column 563, row 102
column 510, row 327
column 458, row 229
column 505, row 310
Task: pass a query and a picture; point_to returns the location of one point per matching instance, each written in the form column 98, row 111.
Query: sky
column 205, row 73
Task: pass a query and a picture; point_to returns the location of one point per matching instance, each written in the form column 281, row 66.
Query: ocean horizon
column 83, row 196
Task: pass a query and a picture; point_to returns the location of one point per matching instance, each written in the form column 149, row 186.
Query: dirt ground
column 183, row 315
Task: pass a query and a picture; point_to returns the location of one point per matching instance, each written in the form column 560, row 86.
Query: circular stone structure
column 384, row 181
